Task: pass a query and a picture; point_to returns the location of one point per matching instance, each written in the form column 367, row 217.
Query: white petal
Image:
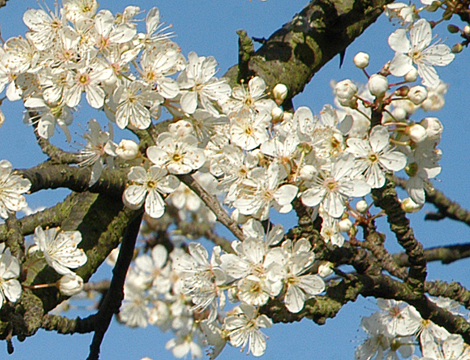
column 379, row 138
column 154, row 204
column 134, row 196
column 12, row 290
column 285, row 194
column 189, row 102
column 400, row 65
column 393, row 160
column 399, row 42
column 313, row 196
column 294, row 299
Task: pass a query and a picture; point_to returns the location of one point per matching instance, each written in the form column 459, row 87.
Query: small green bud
column 453, row 29
column 457, row 48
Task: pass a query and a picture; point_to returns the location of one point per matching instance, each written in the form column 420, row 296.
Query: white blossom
column 146, row 187
column 374, row 156
column 11, row 189
column 417, row 51
column 10, row 287
column 243, row 329
column 59, row 249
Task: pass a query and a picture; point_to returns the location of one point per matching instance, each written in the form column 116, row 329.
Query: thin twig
column 386, row 198
column 214, row 205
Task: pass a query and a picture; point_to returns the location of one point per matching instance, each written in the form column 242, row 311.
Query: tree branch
column 52, row 176
column 115, row 295
column 386, row 198
column 323, row 29
column 445, row 254
column 214, row 205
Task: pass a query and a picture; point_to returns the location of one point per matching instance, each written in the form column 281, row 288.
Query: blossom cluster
column 398, row 329
column 261, row 157
column 171, row 290
column 251, row 155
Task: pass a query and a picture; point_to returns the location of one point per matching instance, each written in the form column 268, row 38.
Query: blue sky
column 208, row 28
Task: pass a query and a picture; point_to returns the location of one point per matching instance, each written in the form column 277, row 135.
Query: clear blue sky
column 208, row 27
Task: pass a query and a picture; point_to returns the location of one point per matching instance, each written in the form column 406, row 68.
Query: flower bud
column 325, row 269
column 409, row 206
column 345, row 90
column 417, row 94
column 277, row 114
column 280, row 92
column 453, row 29
column 399, row 113
column 131, row 11
column 350, row 103
column 345, row 225
column 33, row 249
column 361, row 60
column 2, row 117
column 466, row 29
column 287, row 116
column 411, row 75
column 434, row 6
column 307, row 172
column 362, row 206
column 416, row 132
column 433, row 127
column 402, row 91
column 457, row 48
column 434, row 102
column 127, row 149
column 378, row 85
column 70, row 284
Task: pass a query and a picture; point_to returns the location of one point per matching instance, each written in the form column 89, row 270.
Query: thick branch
column 53, row 176
column 294, row 53
column 52, row 217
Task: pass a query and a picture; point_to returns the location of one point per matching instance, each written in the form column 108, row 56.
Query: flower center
column 331, row 185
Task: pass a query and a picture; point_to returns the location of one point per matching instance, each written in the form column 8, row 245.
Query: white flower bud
column 417, row 133
column 33, row 249
column 70, row 284
column 345, row 225
column 417, row 94
column 307, row 172
column 127, row 149
column 435, row 100
column 411, row 75
column 287, row 116
column 350, row 103
column 131, row 11
column 362, row 206
column 409, row 206
column 345, row 90
column 378, row 85
column 325, row 269
column 277, row 114
column 361, row 60
column 466, row 30
column 280, row 92
column 433, row 127
column 399, row 113
column 2, row 117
